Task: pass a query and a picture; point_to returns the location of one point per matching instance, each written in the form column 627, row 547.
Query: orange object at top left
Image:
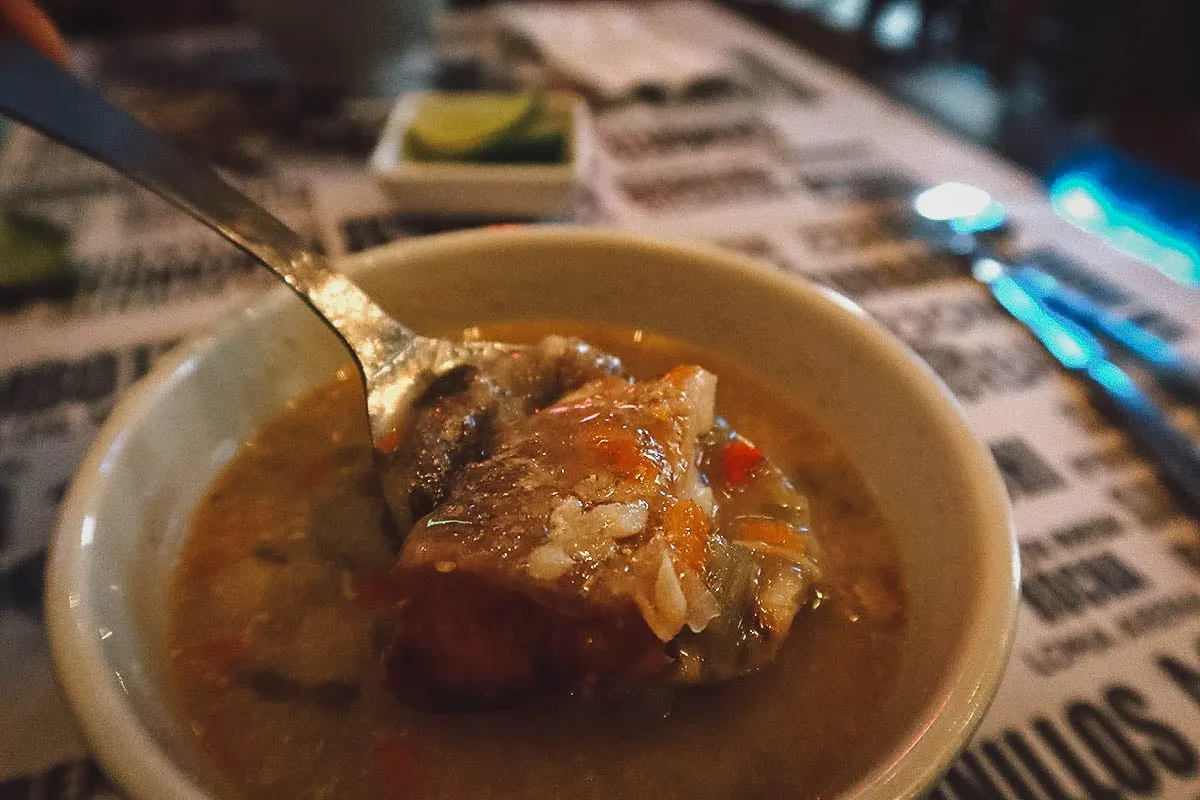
column 26, row 20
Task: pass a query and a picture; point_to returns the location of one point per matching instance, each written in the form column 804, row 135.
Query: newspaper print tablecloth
column 1102, row 697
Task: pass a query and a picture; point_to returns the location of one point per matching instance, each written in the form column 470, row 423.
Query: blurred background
column 1098, row 98
column 1031, row 78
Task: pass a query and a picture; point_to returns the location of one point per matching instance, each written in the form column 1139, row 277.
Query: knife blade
column 1174, row 371
column 1175, row 456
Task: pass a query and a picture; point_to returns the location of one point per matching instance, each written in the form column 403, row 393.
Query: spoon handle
column 44, row 97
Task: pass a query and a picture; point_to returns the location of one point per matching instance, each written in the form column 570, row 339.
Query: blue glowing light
column 1083, row 200
column 1075, row 306
column 898, row 25
column 991, row 217
column 1117, row 382
column 845, row 15
column 1070, row 344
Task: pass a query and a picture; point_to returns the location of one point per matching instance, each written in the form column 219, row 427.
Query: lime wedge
column 460, row 127
column 545, row 141
column 543, row 148
column 34, row 261
column 31, row 251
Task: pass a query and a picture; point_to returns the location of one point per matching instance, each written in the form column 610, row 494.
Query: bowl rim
column 121, row 742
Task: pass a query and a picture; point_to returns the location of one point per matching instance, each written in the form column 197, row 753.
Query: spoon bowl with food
column 550, row 526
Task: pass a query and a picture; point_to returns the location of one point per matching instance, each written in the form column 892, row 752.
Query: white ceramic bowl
column 125, row 516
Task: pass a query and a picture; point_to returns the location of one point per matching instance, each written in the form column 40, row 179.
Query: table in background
column 1102, row 698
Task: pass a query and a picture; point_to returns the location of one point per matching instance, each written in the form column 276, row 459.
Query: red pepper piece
column 738, row 461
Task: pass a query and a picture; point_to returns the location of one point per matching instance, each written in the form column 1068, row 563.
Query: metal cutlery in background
column 1050, row 311
column 1174, row 453
column 1174, row 371
column 965, row 220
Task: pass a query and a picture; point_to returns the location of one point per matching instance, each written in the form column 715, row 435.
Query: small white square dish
column 510, row 189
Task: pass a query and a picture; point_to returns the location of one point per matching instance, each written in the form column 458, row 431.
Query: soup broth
column 805, row 726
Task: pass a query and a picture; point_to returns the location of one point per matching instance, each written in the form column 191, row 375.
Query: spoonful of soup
column 554, row 525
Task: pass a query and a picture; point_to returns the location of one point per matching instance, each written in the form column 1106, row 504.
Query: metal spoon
column 396, row 364
column 953, row 216
column 965, row 220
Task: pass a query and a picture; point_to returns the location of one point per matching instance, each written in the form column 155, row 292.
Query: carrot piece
column 620, row 455
column 617, row 449
column 686, row 528
column 738, row 460
column 772, row 532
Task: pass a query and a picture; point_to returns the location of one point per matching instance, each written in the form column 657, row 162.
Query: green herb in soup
column 577, row 544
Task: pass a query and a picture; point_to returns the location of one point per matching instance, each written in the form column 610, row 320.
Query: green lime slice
column 462, row 126
column 545, row 141
column 34, row 261
column 31, row 251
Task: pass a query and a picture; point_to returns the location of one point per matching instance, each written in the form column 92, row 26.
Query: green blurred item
column 34, row 260
column 483, row 128
column 543, row 142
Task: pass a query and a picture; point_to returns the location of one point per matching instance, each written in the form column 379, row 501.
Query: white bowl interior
column 126, row 515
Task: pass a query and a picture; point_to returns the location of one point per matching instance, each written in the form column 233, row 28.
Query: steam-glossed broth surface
column 318, row 721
